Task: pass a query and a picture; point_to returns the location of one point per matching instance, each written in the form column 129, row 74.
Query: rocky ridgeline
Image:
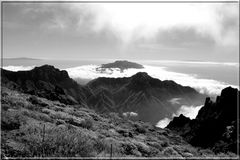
column 45, row 81
column 215, row 126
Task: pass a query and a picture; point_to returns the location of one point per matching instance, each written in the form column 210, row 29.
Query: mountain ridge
column 45, row 81
column 49, row 82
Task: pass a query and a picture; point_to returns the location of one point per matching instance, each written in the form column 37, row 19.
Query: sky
column 143, row 31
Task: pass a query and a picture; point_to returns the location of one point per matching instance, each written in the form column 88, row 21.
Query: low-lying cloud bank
column 18, row 68
column 188, row 111
column 206, row 86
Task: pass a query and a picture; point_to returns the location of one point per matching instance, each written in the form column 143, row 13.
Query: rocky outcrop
column 215, row 125
column 179, row 122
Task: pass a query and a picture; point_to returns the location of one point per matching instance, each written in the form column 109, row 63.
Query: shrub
column 33, row 100
column 5, row 107
column 87, row 123
column 125, row 132
column 143, row 148
column 165, row 143
column 99, row 145
column 169, row 151
column 114, row 116
column 59, row 115
column 129, row 148
column 206, row 152
column 140, row 128
column 46, row 118
column 156, row 145
column 11, row 120
column 58, row 109
column 37, row 116
column 58, row 142
column 36, row 101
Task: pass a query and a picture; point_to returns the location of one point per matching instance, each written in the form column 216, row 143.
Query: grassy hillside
column 36, row 127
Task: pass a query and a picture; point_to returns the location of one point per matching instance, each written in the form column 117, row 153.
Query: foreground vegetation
column 36, row 127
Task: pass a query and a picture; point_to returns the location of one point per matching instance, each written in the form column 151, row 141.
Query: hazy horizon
column 116, row 59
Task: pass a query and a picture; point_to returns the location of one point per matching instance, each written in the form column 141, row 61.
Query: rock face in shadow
column 142, row 94
column 45, row 81
column 215, row 125
column 178, row 122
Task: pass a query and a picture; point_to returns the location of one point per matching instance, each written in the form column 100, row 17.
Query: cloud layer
column 141, row 20
column 206, row 86
column 188, row 111
column 18, row 68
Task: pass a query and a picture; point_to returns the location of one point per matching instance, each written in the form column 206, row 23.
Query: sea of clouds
column 18, row 68
column 90, row 72
column 206, row 86
column 188, row 111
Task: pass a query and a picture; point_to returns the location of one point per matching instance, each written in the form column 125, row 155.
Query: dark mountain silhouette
column 122, row 65
column 147, row 96
column 215, row 125
column 45, row 81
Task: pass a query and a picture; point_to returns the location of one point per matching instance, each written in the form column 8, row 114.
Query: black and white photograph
column 120, row 79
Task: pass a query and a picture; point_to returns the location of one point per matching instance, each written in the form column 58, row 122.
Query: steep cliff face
column 215, row 125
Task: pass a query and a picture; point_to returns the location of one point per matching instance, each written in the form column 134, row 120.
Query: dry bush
column 169, row 151
column 11, row 120
column 87, row 123
column 140, row 128
column 37, row 116
column 60, row 142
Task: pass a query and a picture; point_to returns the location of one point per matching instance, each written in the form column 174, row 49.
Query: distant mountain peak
column 46, row 66
column 141, row 76
column 51, row 72
column 122, row 64
column 141, row 81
